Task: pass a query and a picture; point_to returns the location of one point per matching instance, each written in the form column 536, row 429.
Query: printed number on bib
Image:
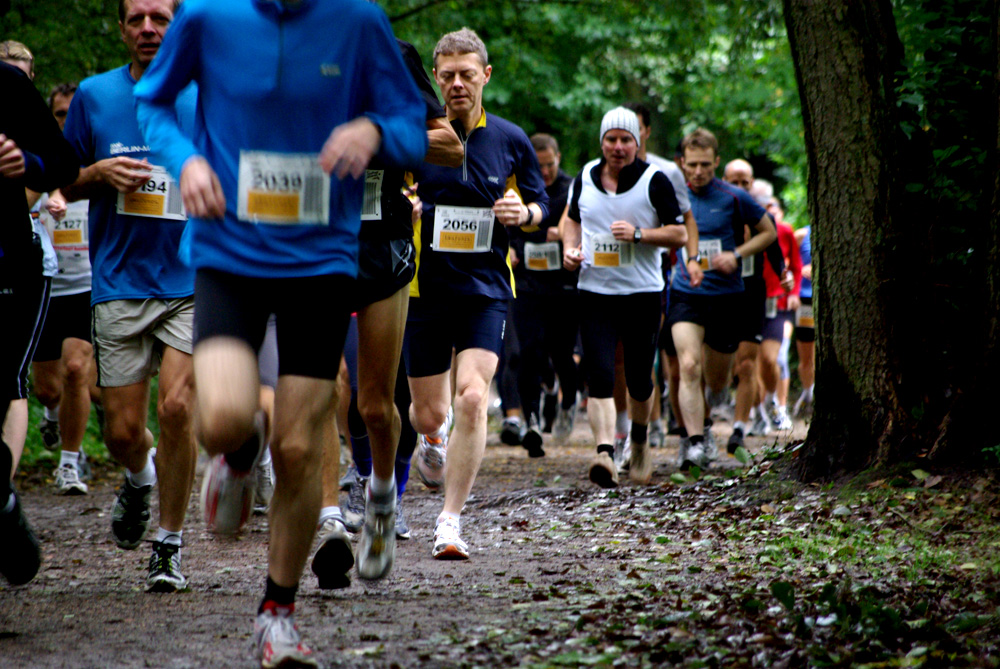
column 157, row 198
column 371, row 206
column 289, row 188
column 708, row 249
column 771, row 307
column 69, row 234
column 463, row 229
column 748, row 266
column 542, row 257
column 611, row 252
column 804, row 317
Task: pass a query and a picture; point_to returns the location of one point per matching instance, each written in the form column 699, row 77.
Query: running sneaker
column 512, row 431
column 448, row 544
column 711, row 447
column 402, row 527
column 130, row 515
column 640, row 464
column 377, row 546
column 68, row 481
column 263, row 487
column 347, row 479
column 623, row 452
column 550, row 408
column 49, row 430
column 334, row 558
column 803, row 405
column 563, row 428
column 656, row 435
column 761, row 426
column 20, row 557
column 782, row 422
column 227, row 494
column 83, row 466
column 354, row 509
column 165, row 569
column 695, row 457
column 603, row 471
column 532, row 439
column 682, row 451
column 278, row 640
column 735, row 440
column 432, row 451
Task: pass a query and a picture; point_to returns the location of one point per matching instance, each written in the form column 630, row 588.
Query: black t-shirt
column 556, row 281
column 386, row 212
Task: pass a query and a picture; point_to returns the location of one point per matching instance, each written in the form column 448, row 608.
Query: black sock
column 683, row 433
column 697, row 439
column 279, row 595
column 242, row 459
column 639, row 433
column 708, row 423
column 606, row 448
column 6, row 465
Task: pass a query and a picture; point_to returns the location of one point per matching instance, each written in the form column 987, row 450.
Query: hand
column 725, row 262
column 787, row 281
column 794, row 302
column 623, row 230
column 350, row 148
column 572, row 258
column 56, row 206
column 514, row 259
column 201, row 190
column 510, row 211
column 695, row 272
column 11, row 158
column 807, row 271
column 125, row 175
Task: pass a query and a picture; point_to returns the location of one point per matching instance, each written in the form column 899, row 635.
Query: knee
column 220, row 429
column 78, row 370
column 468, row 404
column 294, row 460
column 47, row 392
column 377, row 414
column 427, row 418
column 690, row 367
column 122, row 435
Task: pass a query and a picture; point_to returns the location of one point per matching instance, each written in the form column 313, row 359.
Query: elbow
column 681, row 236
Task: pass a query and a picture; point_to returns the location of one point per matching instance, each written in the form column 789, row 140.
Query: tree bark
column 846, row 54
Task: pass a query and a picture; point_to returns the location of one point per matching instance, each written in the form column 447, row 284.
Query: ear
column 486, row 74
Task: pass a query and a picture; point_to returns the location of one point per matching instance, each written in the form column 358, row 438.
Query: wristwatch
column 696, row 257
column 637, row 235
column 736, row 252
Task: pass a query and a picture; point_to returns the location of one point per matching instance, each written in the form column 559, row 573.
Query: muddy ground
column 561, row 574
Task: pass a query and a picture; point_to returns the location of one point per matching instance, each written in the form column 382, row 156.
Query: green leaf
column 679, row 478
column 784, row 592
column 743, row 455
column 919, row 474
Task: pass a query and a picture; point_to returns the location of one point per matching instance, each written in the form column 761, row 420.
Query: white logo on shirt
column 118, row 147
column 329, row 69
column 493, row 180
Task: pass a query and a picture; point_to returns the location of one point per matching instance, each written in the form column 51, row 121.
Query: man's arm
column 444, row 146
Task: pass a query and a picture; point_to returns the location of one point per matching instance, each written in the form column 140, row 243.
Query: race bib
column 611, row 252
column 70, row 237
column 288, row 188
column 708, row 249
column 542, row 257
column 771, row 307
column 157, row 198
column 371, row 206
column 748, row 264
column 462, row 229
column 804, row 317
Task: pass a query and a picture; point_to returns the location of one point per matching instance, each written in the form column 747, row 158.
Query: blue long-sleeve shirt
column 278, row 79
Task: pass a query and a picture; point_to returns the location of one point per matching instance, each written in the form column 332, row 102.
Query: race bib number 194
column 159, row 197
column 287, row 188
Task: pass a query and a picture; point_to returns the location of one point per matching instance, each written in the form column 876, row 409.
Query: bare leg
column 601, row 414
column 745, row 367
column 688, row 339
column 177, row 452
column 15, row 430
column 125, row 433
column 74, row 406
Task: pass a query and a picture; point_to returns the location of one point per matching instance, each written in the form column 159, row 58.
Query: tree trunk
column 846, row 54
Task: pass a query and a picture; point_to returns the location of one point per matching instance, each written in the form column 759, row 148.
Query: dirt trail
column 550, row 553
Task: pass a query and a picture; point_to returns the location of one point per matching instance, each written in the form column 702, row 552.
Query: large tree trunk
column 846, row 54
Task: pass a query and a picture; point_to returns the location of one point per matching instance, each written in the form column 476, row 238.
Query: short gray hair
column 459, row 43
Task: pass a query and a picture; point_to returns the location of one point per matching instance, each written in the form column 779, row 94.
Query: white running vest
column 598, row 210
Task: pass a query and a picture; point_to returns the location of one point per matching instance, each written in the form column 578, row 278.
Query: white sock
column 740, row 425
column 52, row 414
column 808, row 392
column 444, row 514
column 69, row 458
column 771, row 398
column 329, row 512
column 9, row 504
column 265, row 458
column 381, row 488
column 146, row 476
column 622, row 423
column 168, row 537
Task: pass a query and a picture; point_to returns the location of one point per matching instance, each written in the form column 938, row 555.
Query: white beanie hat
column 620, row 118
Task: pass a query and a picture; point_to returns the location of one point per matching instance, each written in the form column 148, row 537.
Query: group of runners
column 254, row 207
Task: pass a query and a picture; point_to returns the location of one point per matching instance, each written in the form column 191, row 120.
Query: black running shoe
column 165, row 569
column 735, row 440
column 130, row 515
column 20, row 556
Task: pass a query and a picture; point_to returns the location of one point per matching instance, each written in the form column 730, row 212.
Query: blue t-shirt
column 277, row 78
column 133, row 257
column 721, row 211
column 806, row 252
column 498, row 157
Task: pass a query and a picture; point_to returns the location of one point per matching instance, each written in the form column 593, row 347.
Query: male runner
column 703, row 314
column 33, row 154
column 141, row 293
column 463, row 277
column 284, row 102
column 628, row 211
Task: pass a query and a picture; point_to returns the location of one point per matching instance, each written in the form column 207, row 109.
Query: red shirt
column 793, row 261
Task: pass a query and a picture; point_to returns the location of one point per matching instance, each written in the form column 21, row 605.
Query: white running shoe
column 263, row 487
column 334, row 558
column 695, row 457
column 623, row 452
column 278, row 640
column 377, row 546
column 68, row 481
column 782, row 422
column 563, row 427
column 227, row 495
column 432, row 450
column 448, row 544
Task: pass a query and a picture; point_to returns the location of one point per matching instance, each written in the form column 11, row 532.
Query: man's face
column 461, row 78
column 60, row 106
column 619, row 148
column 644, row 132
column 699, row 166
column 739, row 176
column 145, row 23
column 548, row 161
column 777, row 213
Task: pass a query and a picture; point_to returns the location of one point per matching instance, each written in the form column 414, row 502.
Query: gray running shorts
column 129, row 336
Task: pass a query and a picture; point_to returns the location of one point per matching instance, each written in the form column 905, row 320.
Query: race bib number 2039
column 284, row 188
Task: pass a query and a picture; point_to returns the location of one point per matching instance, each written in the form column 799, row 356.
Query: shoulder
column 504, row 128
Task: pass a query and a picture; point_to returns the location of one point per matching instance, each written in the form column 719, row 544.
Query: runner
column 805, row 324
column 628, row 211
column 271, row 232
column 459, row 297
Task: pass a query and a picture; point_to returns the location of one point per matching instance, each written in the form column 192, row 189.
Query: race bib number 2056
column 285, row 188
column 463, row 229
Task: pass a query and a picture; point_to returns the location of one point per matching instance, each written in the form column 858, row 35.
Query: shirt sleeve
column 156, row 93
column 664, row 199
column 574, row 197
column 424, row 86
